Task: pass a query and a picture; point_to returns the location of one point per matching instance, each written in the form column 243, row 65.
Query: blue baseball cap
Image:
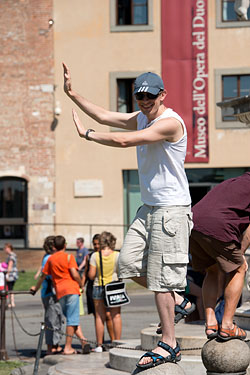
column 148, row 82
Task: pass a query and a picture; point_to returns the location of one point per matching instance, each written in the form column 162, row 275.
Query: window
column 131, row 15
column 13, row 208
column 121, row 91
column 229, row 84
column 131, row 194
column 200, row 180
column 132, row 12
column 125, row 98
column 227, row 17
column 228, row 12
column 234, row 86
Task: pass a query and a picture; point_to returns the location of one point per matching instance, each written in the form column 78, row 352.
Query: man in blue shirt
column 81, row 254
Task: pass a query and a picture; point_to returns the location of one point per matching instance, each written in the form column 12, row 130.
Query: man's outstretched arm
column 168, row 129
column 99, row 114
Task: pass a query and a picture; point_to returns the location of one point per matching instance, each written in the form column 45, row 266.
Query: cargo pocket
column 171, row 223
column 176, row 257
column 175, row 228
column 174, row 276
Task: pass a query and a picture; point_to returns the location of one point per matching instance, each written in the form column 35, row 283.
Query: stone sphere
column 232, row 356
column 164, row 369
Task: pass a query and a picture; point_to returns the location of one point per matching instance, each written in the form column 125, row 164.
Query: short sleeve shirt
column 58, row 266
column 47, row 286
column 13, row 276
column 109, row 263
column 224, row 213
column 81, row 254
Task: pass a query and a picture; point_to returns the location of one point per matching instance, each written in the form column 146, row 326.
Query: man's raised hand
column 79, row 126
column 67, row 79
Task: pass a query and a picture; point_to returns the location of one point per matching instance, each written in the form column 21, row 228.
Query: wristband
column 87, row 134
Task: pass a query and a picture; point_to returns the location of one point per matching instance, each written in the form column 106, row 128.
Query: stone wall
column 27, row 147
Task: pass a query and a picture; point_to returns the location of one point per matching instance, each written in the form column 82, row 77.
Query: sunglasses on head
column 148, row 95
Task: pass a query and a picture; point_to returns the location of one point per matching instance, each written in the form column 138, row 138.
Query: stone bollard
column 230, row 358
column 164, row 369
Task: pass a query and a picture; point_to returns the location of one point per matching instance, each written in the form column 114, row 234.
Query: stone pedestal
column 164, row 369
column 230, row 357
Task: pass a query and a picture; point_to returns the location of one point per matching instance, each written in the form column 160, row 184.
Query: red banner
column 185, row 69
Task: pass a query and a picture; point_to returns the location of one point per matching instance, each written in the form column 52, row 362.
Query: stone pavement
column 139, row 315
column 189, row 336
column 94, row 363
column 98, row 363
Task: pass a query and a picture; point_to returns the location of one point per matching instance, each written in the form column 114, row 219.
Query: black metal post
column 3, row 352
column 39, row 349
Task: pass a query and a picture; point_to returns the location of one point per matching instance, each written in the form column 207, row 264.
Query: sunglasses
column 148, row 95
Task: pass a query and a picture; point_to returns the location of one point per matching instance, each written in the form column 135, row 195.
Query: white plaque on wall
column 88, row 188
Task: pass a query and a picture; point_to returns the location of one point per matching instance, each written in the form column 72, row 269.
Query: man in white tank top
column 155, row 250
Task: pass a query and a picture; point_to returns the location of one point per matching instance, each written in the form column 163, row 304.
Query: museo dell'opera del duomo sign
column 185, row 69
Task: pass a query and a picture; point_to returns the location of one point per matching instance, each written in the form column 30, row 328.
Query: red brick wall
column 26, row 72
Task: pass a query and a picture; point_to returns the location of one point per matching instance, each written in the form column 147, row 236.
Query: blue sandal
column 158, row 359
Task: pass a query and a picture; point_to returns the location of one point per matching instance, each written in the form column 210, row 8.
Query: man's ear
column 163, row 95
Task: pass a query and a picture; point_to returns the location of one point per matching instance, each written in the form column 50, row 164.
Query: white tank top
column 163, row 181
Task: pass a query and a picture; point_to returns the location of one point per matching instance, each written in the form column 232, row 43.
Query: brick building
column 27, row 151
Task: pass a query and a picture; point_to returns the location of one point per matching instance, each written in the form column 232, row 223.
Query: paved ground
column 140, row 313
column 20, row 343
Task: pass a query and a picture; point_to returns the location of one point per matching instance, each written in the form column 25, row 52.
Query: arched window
column 13, row 210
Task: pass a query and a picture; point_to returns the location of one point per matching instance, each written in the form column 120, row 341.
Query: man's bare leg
column 143, row 282
column 70, row 330
column 165, row 303
column 179, row 299
column 210, row 295
column 80, row 335
column 196, row 291
column 233, row 290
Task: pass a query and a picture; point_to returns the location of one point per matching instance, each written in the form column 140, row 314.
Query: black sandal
column 158, row 359
column 181, row 312
column 159, row 329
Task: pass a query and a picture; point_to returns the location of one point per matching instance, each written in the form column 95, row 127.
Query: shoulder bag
column 114, row 293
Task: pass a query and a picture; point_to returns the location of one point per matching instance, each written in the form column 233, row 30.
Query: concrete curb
column 125, row 360
column 94, row 363
column 149, row 339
